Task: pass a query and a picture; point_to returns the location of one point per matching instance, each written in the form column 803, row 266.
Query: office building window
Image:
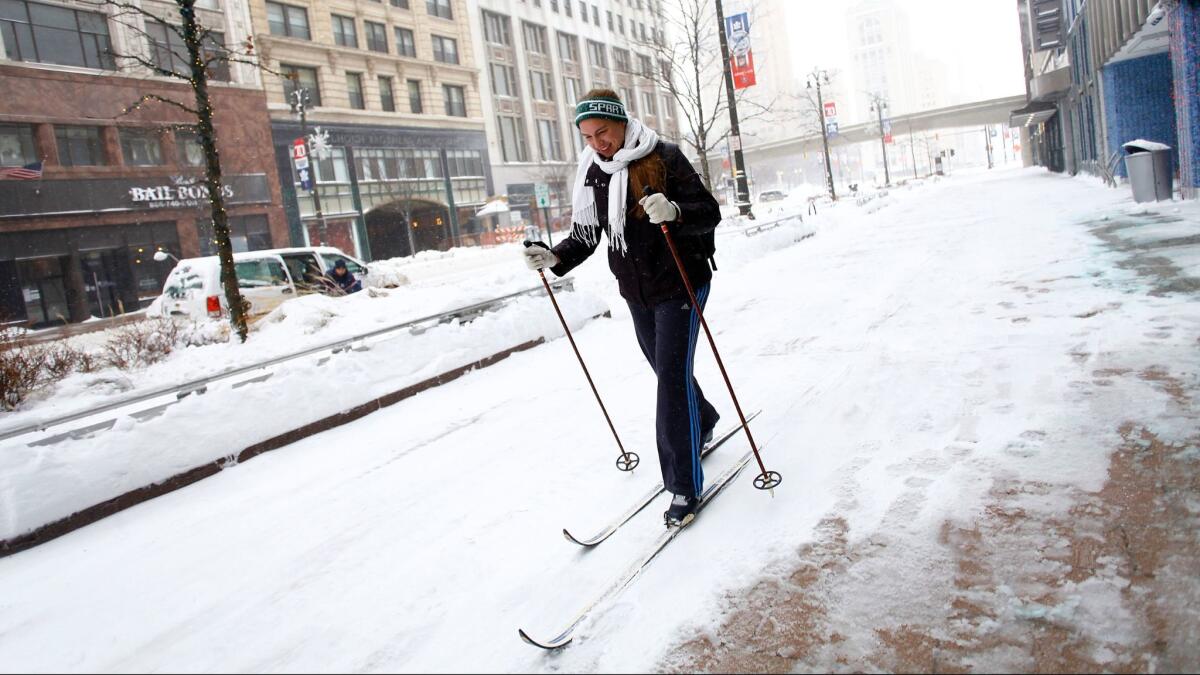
column 568, row 47
column 288, row 21
column 596, row 54
column 456, row 100
column 512, row 139
column 444, row 49
column 300, row 77
column 387, row 96
column 188, row 151
column 621, row 60
column 571, row 87
column 406, row 44
column 496, row 29
column 141, row 147
column 402, row 4
column 376, row 36
column 31, row 31
column 414, row 97
column 169, row 53
column 504, row 80
column 548, row 139
column 79, row 146
column 16, row 145
column 541, row 85
column 344, row 34
column 354, row 90
column 535, row 38
column 438, row 8
column 647, row 65
column 649, row 105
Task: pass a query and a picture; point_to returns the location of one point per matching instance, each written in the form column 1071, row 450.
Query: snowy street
column 980, row 393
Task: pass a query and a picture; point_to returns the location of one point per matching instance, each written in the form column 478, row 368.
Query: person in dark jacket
column 343, row 279
column 623, row 158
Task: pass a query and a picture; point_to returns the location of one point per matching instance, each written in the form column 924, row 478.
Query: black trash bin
column 1149, row 167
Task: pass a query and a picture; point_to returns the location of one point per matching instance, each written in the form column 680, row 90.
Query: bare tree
column 204, row 53
column 691, row 71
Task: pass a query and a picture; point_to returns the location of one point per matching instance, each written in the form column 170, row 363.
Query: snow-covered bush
column 141, row 344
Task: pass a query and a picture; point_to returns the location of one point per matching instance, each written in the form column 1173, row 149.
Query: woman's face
column 605, row 136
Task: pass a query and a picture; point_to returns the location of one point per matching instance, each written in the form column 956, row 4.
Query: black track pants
column 667, row 334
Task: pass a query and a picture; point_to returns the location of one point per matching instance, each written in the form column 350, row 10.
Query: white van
column 193, row 288
column 319, row 260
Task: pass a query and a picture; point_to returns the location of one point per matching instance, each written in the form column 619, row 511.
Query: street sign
column 830, row 110
column 542, row 191
column 831, row 128
column 300, row 160
column 735, row 143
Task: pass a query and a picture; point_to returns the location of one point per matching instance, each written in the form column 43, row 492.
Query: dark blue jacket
column 347, row 283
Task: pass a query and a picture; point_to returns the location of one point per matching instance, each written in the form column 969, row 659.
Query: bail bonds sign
column 183, row 193
column 741, row 59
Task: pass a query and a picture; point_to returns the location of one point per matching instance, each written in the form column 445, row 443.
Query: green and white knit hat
column 605, row 107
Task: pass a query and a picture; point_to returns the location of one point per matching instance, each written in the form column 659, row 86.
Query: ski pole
column 628, row 460
column 766, row 480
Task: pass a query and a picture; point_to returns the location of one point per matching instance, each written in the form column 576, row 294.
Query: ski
column 564, row 638
column 650, row 496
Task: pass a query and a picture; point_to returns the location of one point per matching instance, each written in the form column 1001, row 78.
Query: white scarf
column 640, row 141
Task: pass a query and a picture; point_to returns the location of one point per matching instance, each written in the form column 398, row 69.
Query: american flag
column 27, row 172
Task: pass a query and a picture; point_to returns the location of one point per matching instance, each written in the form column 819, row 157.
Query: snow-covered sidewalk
column 968, row 344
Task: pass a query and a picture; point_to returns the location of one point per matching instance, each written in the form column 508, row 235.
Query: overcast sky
column 978, row 40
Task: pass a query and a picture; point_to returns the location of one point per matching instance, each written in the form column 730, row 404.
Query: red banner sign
column 742, row 68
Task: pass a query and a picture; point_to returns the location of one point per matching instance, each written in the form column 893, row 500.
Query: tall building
column 538, row 57
column 395, row 84
column 881, row 60
column 89, row 193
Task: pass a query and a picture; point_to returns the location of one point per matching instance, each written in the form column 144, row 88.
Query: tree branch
column 161, row 99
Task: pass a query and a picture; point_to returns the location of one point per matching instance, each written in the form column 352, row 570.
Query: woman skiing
column 622, row 160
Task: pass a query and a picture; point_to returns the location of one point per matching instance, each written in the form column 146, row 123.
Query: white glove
column 659, row 208
column 537, row 258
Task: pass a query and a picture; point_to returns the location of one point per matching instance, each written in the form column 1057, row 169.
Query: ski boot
column 683, row 511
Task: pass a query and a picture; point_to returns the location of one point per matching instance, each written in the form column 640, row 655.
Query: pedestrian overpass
column 980, row 113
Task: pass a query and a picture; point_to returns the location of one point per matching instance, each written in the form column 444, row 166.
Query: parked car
column 772, row 195
column 193, row 288
column 303, row 262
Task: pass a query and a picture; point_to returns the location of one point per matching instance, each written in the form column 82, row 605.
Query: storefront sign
column 185, row 192
column 28, row 199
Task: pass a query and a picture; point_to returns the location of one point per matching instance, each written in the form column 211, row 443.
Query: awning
column 1033, row 114
column 493, row 207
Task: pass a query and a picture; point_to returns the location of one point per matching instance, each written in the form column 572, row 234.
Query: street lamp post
column 814, row 80
column 878, row 105
column 300, row 107
column 743, row 189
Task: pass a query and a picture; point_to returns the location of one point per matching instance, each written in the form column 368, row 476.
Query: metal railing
column 199, row 386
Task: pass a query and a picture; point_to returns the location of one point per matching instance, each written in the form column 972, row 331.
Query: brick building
column 78, row 242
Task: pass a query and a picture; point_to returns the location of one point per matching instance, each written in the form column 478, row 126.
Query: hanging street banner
column 300, row 160
column 741, row 59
